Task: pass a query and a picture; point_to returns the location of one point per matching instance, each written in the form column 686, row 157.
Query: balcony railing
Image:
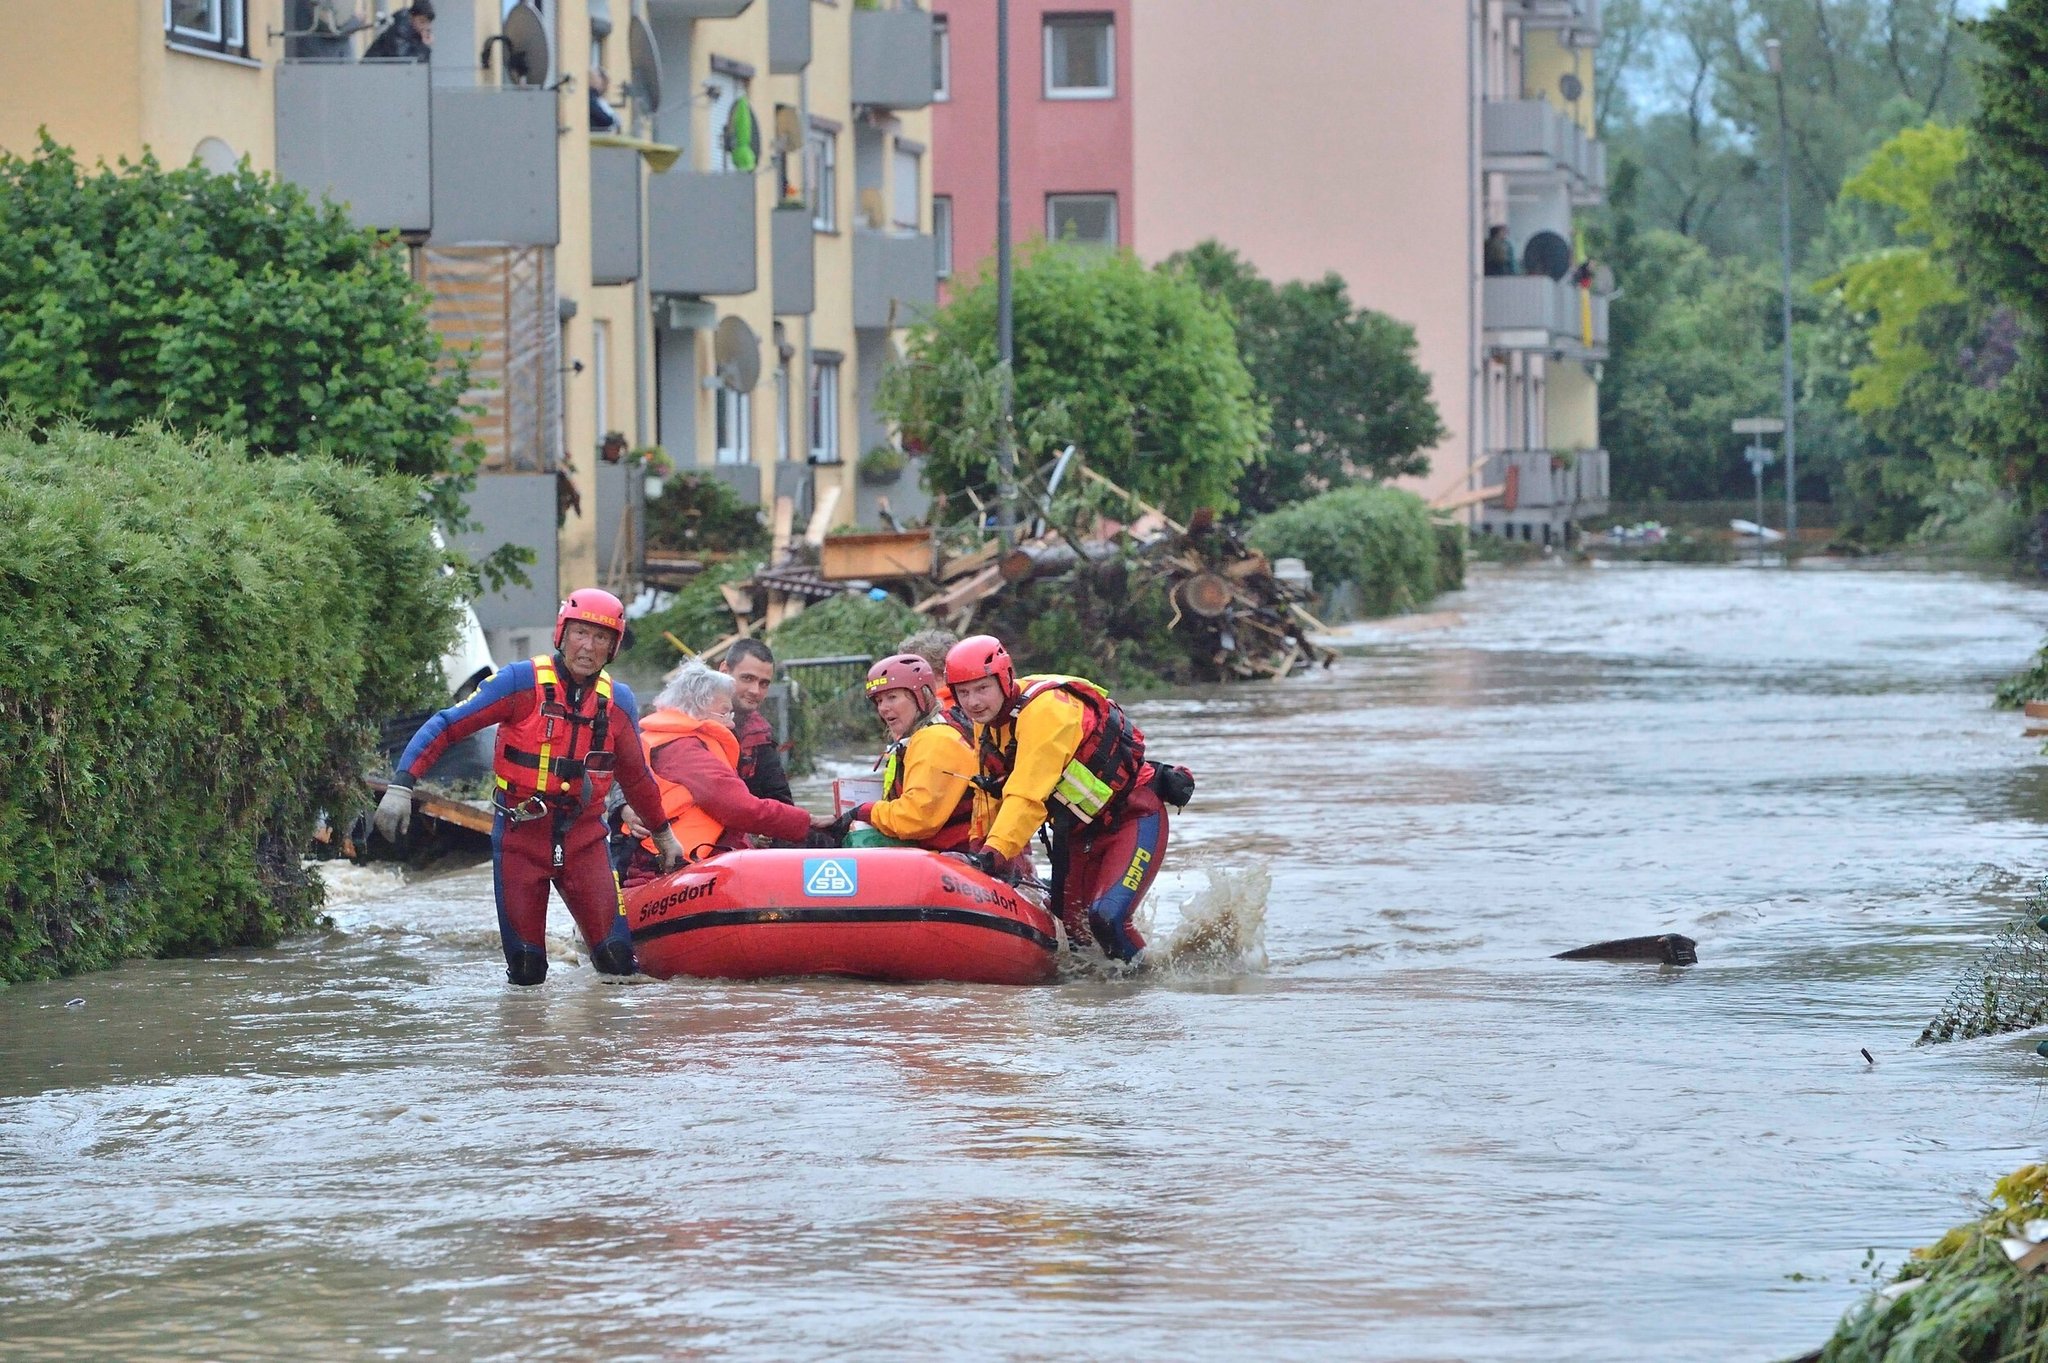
column 614, row 215
column 385, row 181
column 892, row 58
column 796, row 259
column 1568, row 484
column 895, row 278
column 696, row 9
column 1535, row 312
column 495, row 176
column 789, row 36
column 700, row 232
column 1581, row 17
column 1534, row 136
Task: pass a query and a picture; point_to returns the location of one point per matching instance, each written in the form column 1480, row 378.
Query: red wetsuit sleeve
column 720, row 793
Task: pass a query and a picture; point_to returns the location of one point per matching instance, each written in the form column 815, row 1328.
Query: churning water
column 1356, row 1112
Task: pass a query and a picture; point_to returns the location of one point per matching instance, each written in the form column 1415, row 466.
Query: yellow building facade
column 778, row 206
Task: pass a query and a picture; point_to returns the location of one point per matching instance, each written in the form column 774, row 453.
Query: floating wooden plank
column 2037, row 709
column 446, row 808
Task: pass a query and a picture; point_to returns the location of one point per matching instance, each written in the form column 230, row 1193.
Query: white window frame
column 1107, row 23
column 821, row 175
column 824, row 409
column 942, row 60
column 906, row 163
column 734, row 422
column 942, row 233
column 1115, row 221
column 228, row 30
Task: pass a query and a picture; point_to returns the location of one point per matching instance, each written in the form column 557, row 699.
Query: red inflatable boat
column 877, row 913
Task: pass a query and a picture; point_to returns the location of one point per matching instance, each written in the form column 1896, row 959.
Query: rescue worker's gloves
column 668, row 849
column 986, row 862
column 394, row 813
column 843, row 825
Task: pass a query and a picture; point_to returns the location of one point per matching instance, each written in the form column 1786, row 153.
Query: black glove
column 989, row 864
column 842, row 825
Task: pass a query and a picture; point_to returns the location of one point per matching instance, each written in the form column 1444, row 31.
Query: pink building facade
column 1071, row 167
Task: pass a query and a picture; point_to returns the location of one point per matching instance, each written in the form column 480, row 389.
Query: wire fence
column 2006, row 990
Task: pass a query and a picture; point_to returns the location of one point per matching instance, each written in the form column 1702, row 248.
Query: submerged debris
column 2004, row 991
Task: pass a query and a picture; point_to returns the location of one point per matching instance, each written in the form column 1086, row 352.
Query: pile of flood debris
column 1242, row 616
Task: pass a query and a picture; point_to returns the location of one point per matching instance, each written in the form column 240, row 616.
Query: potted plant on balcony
column 881, row 465
column 655, row 466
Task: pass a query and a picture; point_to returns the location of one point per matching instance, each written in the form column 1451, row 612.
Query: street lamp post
column 1774, row 54
column 1006, row 450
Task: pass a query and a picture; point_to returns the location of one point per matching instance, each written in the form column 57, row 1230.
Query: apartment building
column 1381, row 139
column 722, row 273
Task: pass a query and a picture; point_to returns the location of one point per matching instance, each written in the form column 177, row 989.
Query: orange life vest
column 955, row 833
column 696, row 830
column 560, row 754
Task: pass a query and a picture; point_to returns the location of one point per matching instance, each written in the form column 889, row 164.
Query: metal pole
column 1785, row 264
column 1006, row 450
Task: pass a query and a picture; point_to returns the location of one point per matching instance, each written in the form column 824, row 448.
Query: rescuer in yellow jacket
column 1058, row 750
column 927, row 796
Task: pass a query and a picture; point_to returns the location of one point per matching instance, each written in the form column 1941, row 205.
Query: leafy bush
column 1451, row 545
column 846, row 625
column 698, row 616
column 1379, row 538
column 198, row 647
column 695, row 515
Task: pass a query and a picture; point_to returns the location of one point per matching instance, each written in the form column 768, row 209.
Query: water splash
column 1222, row 927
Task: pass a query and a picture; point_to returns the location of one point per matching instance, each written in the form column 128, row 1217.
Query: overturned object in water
column 1667, row 947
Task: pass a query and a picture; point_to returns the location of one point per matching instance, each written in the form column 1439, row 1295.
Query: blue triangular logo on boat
column 831, row 877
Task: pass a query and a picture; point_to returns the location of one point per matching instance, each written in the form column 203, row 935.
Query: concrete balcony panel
column 1535, row 137
column 796, row 259
column 323, row 110
column 895, row 278
column 495, row 167
column 1535, row 312
column 658, row 10
column 700, row 232
column 892, row 58
column 1579, row 18
column 789, row 36
column 614, row 215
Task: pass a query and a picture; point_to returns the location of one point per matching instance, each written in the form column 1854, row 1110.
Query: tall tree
column 1348, row 400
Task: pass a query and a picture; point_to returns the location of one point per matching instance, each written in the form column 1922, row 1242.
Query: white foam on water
column 1221, row 928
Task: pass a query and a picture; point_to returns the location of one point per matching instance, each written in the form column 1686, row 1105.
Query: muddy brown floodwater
column 1406, row 1134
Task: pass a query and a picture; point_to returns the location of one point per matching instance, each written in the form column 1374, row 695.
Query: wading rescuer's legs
column 1108, row 871
column 522, row 870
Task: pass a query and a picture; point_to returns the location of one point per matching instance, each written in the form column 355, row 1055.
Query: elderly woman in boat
column 694, row 754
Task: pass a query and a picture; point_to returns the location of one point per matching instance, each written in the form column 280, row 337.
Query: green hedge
column 194, row 648
column 1379, row 538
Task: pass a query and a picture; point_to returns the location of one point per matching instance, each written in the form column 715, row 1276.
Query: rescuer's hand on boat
column 668, row 850
column 394, row 813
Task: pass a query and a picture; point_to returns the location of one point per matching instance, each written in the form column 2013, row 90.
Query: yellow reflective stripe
column 889, row 774
column 544, row 676
column 1081, row 790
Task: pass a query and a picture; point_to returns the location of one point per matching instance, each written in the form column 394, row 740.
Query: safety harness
column 1104, row 766
column 955, row 829
column 545, row 744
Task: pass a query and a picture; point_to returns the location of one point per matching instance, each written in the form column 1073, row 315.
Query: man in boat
column 564, row 728
column 1058, row 750
column 927, row 773
column 751, row 665
column 695, row 756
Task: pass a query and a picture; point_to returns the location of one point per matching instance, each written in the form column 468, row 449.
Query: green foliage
column 698, row 616
column 198, row 647
column 846, row 625
column 1379, row 538
column 698, row 515
column 1110, row 622
column 1452, row 545
column 1969, row 1303
column 1348, row 400
column 1141, row 362
column 2032, row 684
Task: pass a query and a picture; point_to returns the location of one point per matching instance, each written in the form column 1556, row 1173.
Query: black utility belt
column 567, row 768
column 533, row 807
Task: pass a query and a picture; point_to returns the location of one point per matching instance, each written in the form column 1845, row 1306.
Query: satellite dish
column 1570, row 86
column 1547, row 253
column 645, row 56
column 527, row 58
column 736, row 351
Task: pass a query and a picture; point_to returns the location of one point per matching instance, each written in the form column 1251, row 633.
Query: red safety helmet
column 905, row 672
column 977, row 656
column 593, row 607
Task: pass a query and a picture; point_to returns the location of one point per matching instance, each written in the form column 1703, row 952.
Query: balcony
column 789, row 36
column 386, row 182
column 614, row 215
column 796, row 250
column 895, row 278
column 494, row 167
column 892, row 58
column 658, row 10
column 1579, row 18
column 700, row 233
column 1535, row 312
column 1534, row 137
column 1547, row 485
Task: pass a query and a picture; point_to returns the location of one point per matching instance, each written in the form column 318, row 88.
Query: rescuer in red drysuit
column 1058, row 749
column 694, row 754
column 564, row 727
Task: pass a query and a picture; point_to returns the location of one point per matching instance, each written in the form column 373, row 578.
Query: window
column 821, row 177
column 903, row 197
column 726, row 92
column 1084, row 219
column 824, row 411
column 942, row 232
column 735, row 426
column 942, row 61
column 1080, row 56
column 218, row 25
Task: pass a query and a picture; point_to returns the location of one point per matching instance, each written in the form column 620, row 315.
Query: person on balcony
column 409, row 37
column 1500, row 252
